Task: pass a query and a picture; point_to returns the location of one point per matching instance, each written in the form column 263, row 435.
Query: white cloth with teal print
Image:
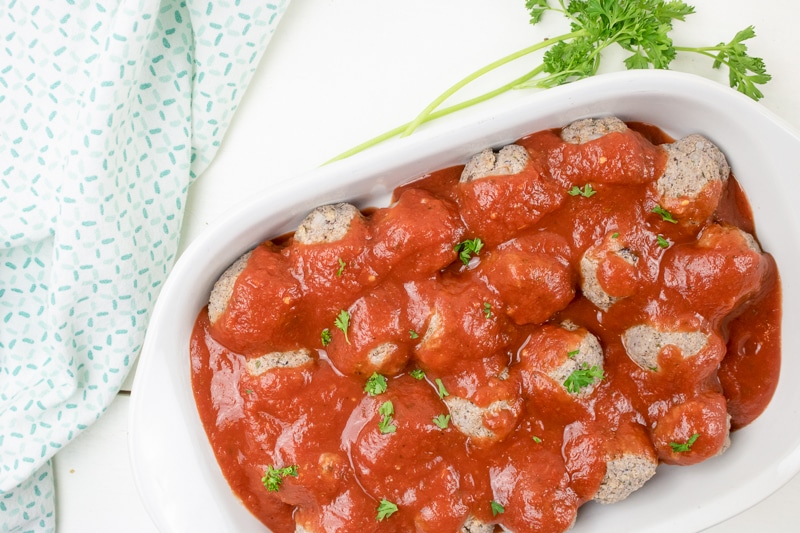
column 109, row 109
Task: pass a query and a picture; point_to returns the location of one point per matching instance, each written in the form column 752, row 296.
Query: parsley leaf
column 325, row 337
column 662, row 242
column 342, row 264
column 666, row 216
column 418, row 374
column 386, row 410
column 487, row 309
column 273, row 477
column 342, row 322
column 413, row 334
column 385, row 509
column 678, row 447
column 586, row 192
column 441, row 421
column 468, row 248
column 583, row 377
column 497, row 508
column 376, row 384
column 536, row 439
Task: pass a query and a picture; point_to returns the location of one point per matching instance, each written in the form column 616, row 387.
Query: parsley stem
column 423, row 116
column 437, row 114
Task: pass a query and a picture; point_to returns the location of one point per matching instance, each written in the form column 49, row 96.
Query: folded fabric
column 109, row 110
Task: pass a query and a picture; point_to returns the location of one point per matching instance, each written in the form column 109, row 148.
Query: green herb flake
column 342, row 264
column 497, row 508
column 413, row 334
column 487, row 309
column 583, row 377
column 468, row 248
column 536, row 439
column 273, row 477
column 440, row 388
column 441, row 421
column 684, row 447
column 342, row 322
column 666, row 216
column 573, row 353
column 376, row 384
column 325, row 337
column 418, row 374
column 615, row 235
column 586, row 191
column 385, row 509
column 662, row 242
column 385, row 425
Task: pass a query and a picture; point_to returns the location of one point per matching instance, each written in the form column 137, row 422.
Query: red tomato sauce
column 516, row 444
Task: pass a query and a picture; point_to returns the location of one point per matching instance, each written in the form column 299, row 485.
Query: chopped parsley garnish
column 586, row 192
column 497, row 508
column 248, row 391
column 583, row 377
column 662, row 242
column 678, row 447
column 440, row 388
column 418, row 374
column 468, row 248
column 413, row 334
column 325, row 337
column 386, row 410
column 376, row 384
column 666, row 216
column 536, row 439
column 573, row 353
column 342, row 264
column 615, row 235
column 273, row 477
column 487, row 309
column 386, row 509
column 442, row 421
column 343, row 322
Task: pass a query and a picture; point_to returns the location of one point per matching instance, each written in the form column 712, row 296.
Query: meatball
column 511, row 159
column 693, row 179
column 412, row 406
column 291, row 359
column 532, row 277
column 327, row 223
column 223, row 288
column 568, row 355
column 496, row 204
column 415, row 236
column 717, row 273
column 693, row 431
column 471, row 419
column 255, row 303
column 643, row 344
column 376, row 338
column 455, row 321
column 474, row 525
column 609, row 271
column 630, row 462
column 589, row 129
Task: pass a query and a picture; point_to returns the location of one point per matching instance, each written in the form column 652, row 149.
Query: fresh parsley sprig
column 640, row 27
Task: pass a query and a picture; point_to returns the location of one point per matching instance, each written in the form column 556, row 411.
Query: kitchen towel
column 109, row 110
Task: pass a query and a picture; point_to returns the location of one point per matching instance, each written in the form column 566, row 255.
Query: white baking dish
column 178, row 478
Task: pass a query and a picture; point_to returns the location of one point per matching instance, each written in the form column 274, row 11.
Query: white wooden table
column 340, row 71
